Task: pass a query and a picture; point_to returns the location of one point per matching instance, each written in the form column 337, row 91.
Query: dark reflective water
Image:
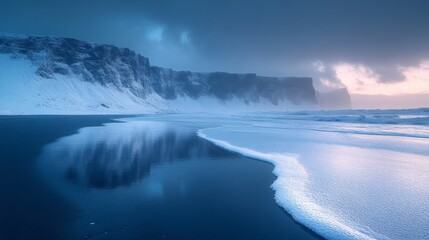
column 122, row 154
column 138, row 180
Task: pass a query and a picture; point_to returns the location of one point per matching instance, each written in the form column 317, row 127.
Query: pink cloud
column 361, row 79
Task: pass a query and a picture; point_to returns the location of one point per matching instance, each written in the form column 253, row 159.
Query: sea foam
column 342, row 185
column 291, row 192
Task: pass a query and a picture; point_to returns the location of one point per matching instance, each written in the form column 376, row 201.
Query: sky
column 372, row 47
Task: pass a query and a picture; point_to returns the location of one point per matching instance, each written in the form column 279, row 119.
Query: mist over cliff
column 54, row 75
column 334, row 99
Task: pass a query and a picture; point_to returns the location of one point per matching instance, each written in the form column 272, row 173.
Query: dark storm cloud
column 266, row 37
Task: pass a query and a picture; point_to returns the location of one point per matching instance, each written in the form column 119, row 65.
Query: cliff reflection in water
column 120, row 154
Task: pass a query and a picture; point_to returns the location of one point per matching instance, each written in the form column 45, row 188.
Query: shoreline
column 225, row 200
column 295, row 203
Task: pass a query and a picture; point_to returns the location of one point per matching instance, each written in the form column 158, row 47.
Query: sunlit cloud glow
column 330, row 84
column 361, row 79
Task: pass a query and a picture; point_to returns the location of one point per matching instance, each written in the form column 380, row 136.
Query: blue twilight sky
column 370, row 46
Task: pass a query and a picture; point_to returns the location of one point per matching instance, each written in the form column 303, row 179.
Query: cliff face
column 250, row 88
column 334, row 99
column 127, row 71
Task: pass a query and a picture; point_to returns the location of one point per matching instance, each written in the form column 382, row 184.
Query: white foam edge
column 291, row 194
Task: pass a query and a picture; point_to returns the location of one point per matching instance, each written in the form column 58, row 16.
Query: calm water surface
column 133, row 180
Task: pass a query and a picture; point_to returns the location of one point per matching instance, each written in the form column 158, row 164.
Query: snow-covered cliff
column 63, row 75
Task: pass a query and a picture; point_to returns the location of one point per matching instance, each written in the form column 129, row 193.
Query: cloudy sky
column 370, row 46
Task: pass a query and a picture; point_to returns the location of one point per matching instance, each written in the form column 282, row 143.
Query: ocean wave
column 402, row 117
